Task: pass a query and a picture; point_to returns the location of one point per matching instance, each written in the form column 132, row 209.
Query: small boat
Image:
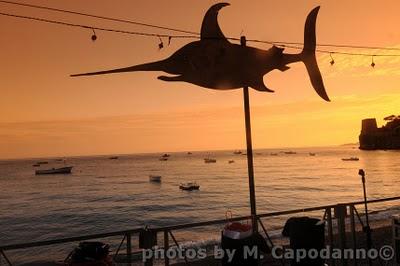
column 163, row 159
column 237, row 152
column 210, row 160
column 231, row 161
column 165, row 155
column 351, row 159
column 155, row 178
column 273, row 154
column 189, row 153
column 189, row 186
column 290, row 152
column 36, row 165
column 114, row 158
column 312, row 154
column 42, row 162
column 62, row 170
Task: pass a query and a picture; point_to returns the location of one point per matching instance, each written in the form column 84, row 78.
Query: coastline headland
column 386, row 137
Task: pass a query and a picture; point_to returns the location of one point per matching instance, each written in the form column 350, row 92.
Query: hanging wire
column 372, row 63
column 186, row 31
column 98, row 17
column 94, row 36
column 277, row 43
column 97, row 28
column 291, row 45
column 332, row 62
column 161, row 44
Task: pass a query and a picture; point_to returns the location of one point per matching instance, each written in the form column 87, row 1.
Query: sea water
column 104, row 195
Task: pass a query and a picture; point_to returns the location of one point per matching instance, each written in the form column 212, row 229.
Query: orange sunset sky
column 44, row 112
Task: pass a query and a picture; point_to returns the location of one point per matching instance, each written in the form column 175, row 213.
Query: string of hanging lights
column 193, row 35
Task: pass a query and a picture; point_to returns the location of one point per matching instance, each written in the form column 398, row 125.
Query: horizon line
column 162, row 152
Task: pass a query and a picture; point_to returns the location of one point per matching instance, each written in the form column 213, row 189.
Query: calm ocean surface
column 104, row 195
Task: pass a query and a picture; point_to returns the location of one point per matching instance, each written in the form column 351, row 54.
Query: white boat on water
column 52, row 171
column 189, row 186
column 155, row 178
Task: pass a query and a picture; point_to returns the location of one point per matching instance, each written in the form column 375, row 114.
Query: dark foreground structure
column 343, row 230
column 382, row 138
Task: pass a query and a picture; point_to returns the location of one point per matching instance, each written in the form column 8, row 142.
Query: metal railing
column 340, row 214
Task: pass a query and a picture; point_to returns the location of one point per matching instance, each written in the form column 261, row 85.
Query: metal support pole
column 128, row 249
column 340, row 211
column 5, row 257
column 249, row 151
column 353, row 232
column 166, row 247
column 367, row 228
column 330, row 232
column 179, row 247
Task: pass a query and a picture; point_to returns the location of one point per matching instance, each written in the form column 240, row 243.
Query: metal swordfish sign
column 215, row 63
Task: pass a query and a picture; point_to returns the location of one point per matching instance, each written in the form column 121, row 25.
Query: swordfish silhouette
column 215, row 63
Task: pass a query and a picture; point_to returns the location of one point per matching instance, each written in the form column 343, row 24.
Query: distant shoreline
column 172, row 152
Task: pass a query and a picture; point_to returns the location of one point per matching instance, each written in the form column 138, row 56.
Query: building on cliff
column 387, row 137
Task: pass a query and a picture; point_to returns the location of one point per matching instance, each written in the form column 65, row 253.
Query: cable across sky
column 188, row 34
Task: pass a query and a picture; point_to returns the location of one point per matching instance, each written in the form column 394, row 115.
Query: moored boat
column 155, row 178
column 189, row 186
column 351, row 159
column 114, row 158
column 62, row 170
column 231, row 161
column 312, row 154
column 237, row 152
column 210, row 160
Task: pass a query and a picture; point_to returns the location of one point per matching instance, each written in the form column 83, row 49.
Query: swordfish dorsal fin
column 210, row 28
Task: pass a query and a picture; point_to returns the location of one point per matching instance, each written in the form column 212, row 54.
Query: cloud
column 304, row 123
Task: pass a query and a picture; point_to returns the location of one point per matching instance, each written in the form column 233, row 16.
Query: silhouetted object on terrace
column 305, row 233
column 242, row 246
column 386, row 137
column 215, row 63
column 90, row 253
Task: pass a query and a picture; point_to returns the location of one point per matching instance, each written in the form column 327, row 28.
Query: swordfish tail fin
column 154, row 66
column 308, row 55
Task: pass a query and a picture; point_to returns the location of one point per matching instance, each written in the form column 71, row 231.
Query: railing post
column 2, row 254
column 330, row 232
column 353, row 232
column 166, row 247
column 340, row 211
column 128, row 248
